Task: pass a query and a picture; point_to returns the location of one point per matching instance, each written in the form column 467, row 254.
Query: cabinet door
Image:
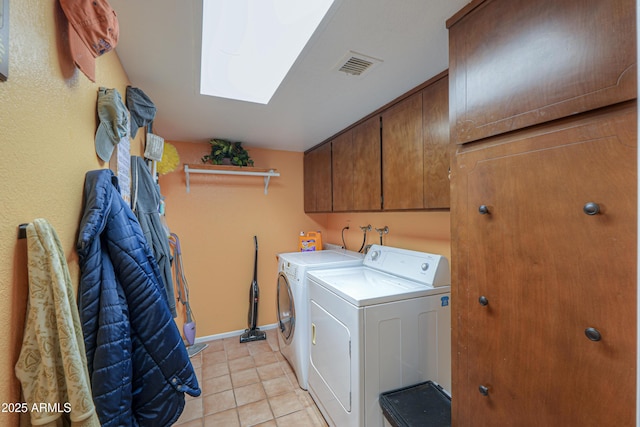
column 367, row 186
column 343, row 161
column 516, row 63
column 317, row 179
column 402, row 155
column 435, row 124
column 548, row 271
column 356, row 168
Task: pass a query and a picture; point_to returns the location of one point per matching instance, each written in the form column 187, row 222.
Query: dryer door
column 286, row 309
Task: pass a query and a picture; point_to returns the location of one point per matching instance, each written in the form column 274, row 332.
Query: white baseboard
column 231, row 334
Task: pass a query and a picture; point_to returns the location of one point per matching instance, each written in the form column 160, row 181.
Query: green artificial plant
column 222, row 149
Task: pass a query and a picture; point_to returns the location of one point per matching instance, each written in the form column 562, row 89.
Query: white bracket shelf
column 230, row 170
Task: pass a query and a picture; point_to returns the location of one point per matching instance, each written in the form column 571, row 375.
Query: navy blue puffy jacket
column 138, row 364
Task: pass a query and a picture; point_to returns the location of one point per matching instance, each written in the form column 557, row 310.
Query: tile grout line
column 281, row 412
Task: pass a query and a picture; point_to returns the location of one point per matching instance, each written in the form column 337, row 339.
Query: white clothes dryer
column 293, row 300
column 377, row 327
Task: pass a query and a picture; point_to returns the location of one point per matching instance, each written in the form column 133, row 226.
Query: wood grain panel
column 549, row 271
column 518, row 63
column 343, row 160
column 367, row 194
column 356, row 168
column 317, row 179
column 435, row 125
column 402, row 155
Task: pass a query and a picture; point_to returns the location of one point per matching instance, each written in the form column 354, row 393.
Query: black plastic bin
column 421, row 405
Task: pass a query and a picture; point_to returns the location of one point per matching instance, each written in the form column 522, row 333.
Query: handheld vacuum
column 253, row 333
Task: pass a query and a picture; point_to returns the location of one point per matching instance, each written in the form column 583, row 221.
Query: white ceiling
column 159, row 47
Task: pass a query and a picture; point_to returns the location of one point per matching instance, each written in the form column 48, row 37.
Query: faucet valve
column 381, row 231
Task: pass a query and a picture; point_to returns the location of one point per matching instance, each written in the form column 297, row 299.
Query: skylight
column 248, row 46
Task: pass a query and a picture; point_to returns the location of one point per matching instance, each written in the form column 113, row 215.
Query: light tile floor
column 249, row 384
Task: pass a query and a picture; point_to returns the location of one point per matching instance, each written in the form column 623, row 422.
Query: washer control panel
column 290, row 269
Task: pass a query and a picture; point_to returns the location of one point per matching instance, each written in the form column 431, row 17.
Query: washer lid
column 323, row 258
column 364, row 286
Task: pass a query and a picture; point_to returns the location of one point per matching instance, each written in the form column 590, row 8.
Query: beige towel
column 52, row 366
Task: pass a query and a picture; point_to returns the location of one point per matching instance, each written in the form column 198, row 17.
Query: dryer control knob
column 375, row 255
column 424, row 266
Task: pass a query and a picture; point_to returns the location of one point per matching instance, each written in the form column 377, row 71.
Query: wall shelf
column 230, row 170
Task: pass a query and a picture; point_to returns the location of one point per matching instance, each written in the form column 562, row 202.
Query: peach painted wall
column 47, row 128
column 216, row 223
column 419, row 231
column 217, row 220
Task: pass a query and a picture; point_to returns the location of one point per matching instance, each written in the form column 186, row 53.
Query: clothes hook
column 22, row 231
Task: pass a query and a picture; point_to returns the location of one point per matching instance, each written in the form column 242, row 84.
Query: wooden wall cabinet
column 435, row 133
column 415, row 150
column 356, row 168
column 544, row 217
column 514, row 64
column 403, row 155
column 402, row 166
column 342, row 171
column 317, row 179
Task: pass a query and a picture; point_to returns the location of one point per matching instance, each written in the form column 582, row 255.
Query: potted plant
column 227, row 152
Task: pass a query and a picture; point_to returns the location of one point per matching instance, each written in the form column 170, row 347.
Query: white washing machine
column 377, row 327
column 293, row 300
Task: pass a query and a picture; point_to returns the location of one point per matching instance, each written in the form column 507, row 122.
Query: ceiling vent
column 356, row 64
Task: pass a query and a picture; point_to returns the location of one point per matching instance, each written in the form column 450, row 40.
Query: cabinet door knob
column 591, row 208
column 483, row 300
column 593, row 334
column 483, row 209
column 484, row 390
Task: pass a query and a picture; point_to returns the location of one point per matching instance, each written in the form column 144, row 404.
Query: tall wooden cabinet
column 543, row 213
column 538, row 274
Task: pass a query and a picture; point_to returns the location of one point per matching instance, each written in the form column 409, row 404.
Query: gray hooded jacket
column 145, row 201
